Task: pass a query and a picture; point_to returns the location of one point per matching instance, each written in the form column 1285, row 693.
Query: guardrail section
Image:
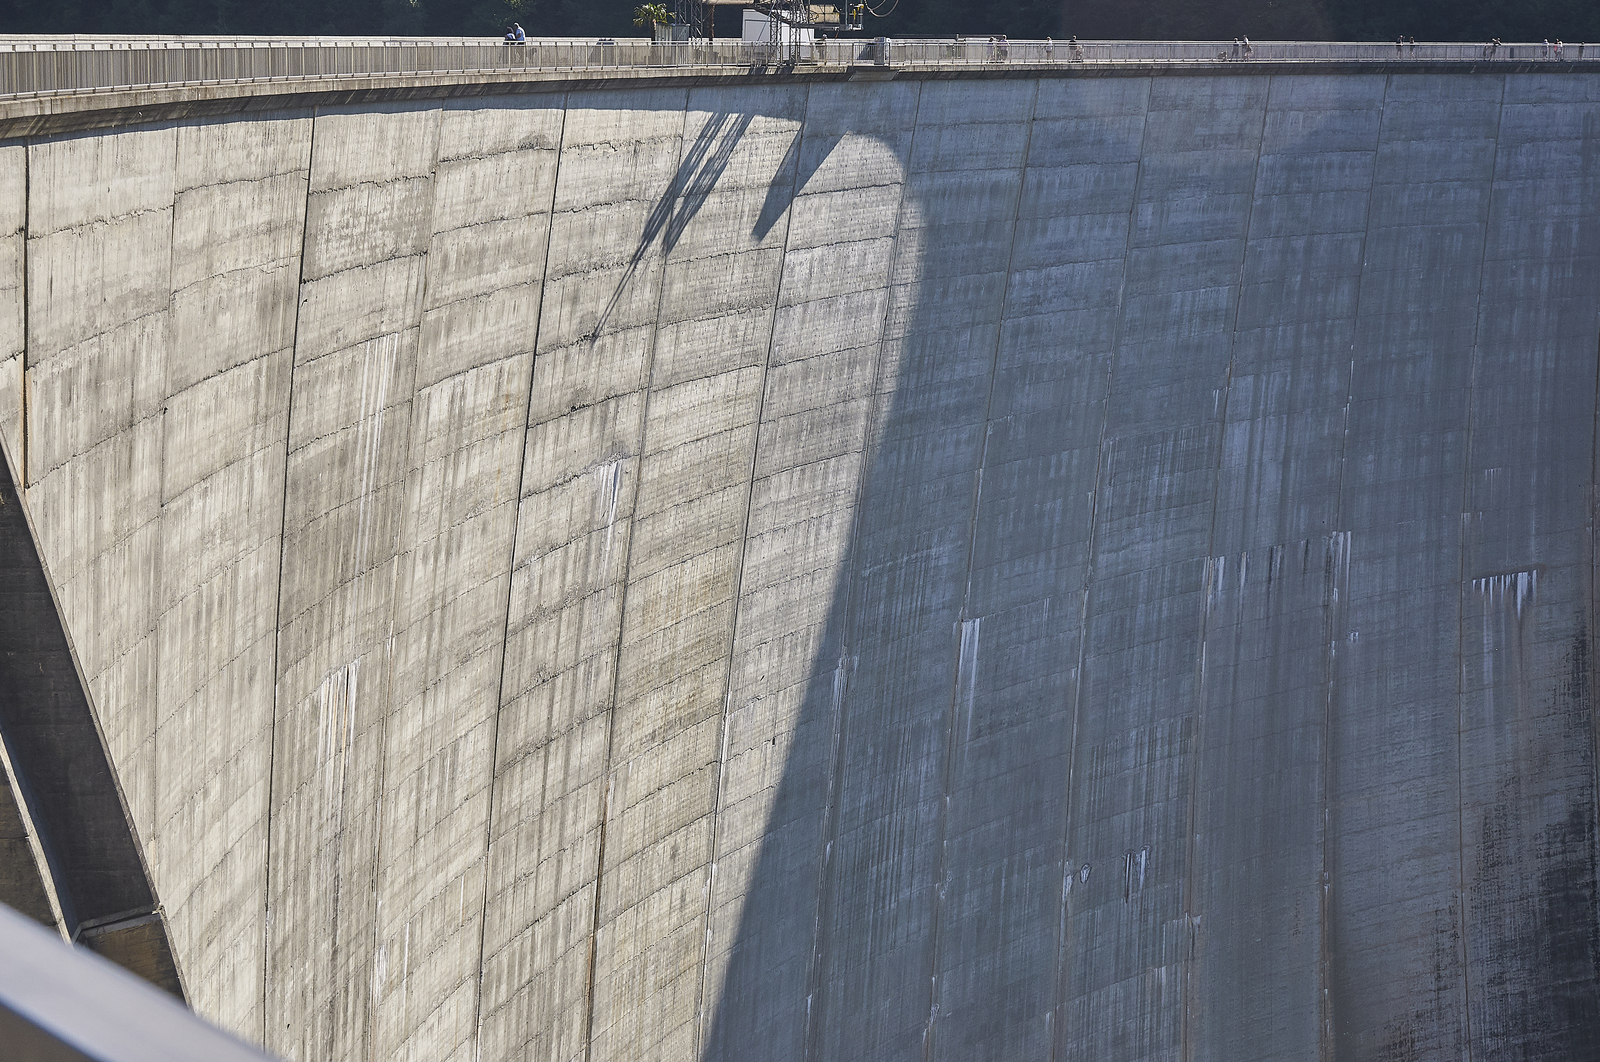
column 31, row 66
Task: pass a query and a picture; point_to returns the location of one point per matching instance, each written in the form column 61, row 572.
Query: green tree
column 651, row 15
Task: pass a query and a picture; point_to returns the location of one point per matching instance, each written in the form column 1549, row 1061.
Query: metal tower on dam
column 920, row 550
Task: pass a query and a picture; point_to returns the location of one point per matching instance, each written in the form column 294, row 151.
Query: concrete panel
column 237, row 221
column 893, row 813
column 719, row 291
column 13, row 338
column 491, row 213
column 1018, row 646
column 1131, row 786
column 349, row 443
column 1255, row 888
column 1527, row 595
column 1396, row 890
column 98, row 267
column 785, row 676
column 614, row 189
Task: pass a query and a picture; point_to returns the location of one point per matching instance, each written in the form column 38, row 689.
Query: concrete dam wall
column 1047, row 568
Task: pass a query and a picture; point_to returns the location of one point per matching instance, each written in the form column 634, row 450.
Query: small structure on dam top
column 652, row 550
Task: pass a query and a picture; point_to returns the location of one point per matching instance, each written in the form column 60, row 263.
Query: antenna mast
column 834, row 17
column 696, row 14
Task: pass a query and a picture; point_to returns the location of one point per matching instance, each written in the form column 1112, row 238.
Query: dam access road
column 856, row 559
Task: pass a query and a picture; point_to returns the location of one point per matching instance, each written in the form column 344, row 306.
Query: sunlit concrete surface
column 1043, row 567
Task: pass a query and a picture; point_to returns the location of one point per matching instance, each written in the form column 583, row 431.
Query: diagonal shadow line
column 729, row 129
column 781, row 192
column 698, row 173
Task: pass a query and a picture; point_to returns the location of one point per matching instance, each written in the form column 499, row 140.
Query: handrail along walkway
column 64, row 65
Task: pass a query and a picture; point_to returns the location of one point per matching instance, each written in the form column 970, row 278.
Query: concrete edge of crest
column 44, row 115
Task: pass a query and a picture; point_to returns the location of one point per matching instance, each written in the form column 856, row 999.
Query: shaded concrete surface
column 1034, row 568
column 62, row 1004
column 72, row 858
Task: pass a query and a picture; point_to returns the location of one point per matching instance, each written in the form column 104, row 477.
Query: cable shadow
column 782, row 190
column 697, row 174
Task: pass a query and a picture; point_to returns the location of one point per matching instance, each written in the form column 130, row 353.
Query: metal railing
column 67, row 66
column 963, row 51
column 57, row 65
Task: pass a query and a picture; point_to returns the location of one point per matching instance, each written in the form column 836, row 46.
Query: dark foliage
column 545, row 18
column 1262, row 20
column 1466, row 20
column 1444, row 20
column 1022, row 19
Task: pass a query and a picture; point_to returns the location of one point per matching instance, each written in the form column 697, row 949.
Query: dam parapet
column 53, row 65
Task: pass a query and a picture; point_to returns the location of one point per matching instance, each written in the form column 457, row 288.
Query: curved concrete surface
column 1050, row 568
column 72, row 858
